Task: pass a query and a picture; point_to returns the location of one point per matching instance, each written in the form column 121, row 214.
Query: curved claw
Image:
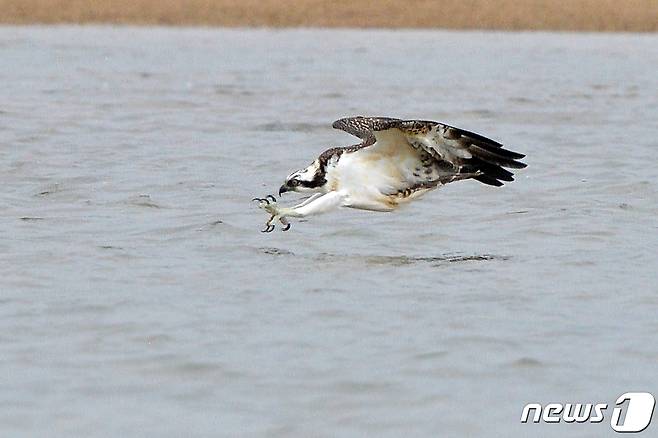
column 258, row 199
column 272, row 197
column 286, row 228
column 268, row 229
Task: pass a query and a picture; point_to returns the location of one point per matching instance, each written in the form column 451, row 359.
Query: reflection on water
column 277, row 252
column 375, row 260
column 135, row 284
column 404, row 260
column 383, row 260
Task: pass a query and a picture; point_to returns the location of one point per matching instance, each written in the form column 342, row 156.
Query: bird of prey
column 396, row 161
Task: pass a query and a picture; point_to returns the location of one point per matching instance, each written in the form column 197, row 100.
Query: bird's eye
column 294, row 182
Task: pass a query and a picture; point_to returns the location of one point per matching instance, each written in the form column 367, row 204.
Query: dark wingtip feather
column 492, row 170
column 477, row 138
column 513, row 164
column 509, row 154
column 489, row 180
column 497, row 157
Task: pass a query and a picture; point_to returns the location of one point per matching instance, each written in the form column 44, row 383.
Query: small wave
column 481, row 113
column 527, row 362
column 49, row 190
column 406, row 260
column 295, row 127
column 333, row 95
column 403, row 260
column 232, row 91
column 521, row 99
column 277, row 252
column 143, row 201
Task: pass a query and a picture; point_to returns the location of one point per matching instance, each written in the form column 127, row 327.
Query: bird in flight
column 396, row 162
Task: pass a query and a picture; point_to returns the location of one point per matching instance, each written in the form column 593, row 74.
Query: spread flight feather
column 397, row 161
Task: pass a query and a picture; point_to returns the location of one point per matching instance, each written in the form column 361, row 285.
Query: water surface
column 138, row 297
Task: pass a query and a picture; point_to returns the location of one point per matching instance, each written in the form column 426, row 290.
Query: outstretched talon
column 269, row 204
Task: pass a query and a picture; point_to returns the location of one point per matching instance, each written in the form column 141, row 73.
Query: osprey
column 396, row 162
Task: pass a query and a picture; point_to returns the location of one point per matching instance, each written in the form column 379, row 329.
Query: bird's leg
column 308, row 200
column 271, row 208
column 285, row 223
column 314, row 205
column 275, row 211
column 268, row 225
column 262, row 202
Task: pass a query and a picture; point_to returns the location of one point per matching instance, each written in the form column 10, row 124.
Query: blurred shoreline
column 565, row 15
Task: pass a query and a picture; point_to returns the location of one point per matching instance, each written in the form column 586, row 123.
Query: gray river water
column 138, row 297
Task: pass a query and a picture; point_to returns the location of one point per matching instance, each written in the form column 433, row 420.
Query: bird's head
column 310, row 179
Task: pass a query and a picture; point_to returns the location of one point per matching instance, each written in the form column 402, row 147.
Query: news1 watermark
column 632, row 412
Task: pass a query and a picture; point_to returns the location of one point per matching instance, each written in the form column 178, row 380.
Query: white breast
column 368, row 176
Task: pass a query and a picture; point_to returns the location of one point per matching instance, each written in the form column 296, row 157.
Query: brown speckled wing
column 464, row 151
column 363, row 127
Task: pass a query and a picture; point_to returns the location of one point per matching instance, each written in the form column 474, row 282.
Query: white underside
column 369, row 178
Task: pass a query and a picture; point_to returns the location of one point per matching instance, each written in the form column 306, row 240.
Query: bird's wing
column 462, row 151
column 363, row 127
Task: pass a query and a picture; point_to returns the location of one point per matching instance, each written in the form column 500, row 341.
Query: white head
column 310, row 179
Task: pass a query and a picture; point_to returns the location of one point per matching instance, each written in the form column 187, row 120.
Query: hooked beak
column 283, row 189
